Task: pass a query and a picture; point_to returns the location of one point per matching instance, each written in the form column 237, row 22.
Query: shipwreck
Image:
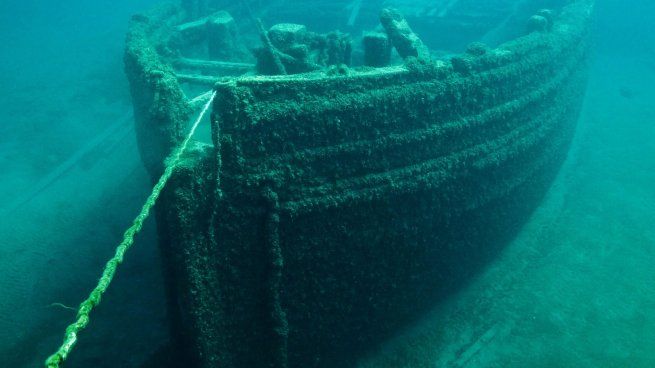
column 349, row 179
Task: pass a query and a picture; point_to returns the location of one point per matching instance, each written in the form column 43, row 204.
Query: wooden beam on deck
column 218, row 68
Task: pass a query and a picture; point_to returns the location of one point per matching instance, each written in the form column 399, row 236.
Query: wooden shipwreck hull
column 333, row 209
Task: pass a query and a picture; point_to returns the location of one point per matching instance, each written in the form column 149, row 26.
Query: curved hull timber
column 332, row 210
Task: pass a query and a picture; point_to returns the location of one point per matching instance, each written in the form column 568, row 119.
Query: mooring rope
column 85, row 308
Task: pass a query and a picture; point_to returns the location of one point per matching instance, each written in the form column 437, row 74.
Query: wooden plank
column 218, row 68
column 202, row 22
column 202, row 80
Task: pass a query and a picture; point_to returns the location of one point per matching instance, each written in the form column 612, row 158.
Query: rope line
column 85, row 308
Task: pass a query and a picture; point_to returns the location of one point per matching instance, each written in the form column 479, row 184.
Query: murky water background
column 576, row 288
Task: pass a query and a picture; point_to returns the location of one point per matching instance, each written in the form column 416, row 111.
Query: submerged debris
column 377, row 49
column 477, row 49
column 406, row 42
column 300, row 51
column 537, row 23
column 542, row 21
column 214, row 37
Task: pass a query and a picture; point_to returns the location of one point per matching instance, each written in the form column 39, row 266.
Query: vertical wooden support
column 377, row 49
column 279, row 325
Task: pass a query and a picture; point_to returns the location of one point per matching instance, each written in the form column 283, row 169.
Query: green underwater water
column 576, row 288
